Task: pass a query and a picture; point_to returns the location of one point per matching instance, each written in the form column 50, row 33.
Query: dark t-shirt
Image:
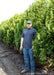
column 29, row 35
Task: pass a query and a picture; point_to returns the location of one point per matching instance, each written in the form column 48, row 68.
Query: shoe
column 32, row 73
column 23, row 71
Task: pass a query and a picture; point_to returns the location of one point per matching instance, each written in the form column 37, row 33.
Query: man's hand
column 21, row 48
column 32, row 48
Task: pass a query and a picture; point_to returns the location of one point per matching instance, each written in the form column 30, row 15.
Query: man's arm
column 22, row 39
column 21, row 43
column 34, row 35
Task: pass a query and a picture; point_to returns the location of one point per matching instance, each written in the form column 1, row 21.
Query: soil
column 12, row 62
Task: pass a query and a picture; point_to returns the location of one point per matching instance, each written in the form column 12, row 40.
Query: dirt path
column 11, row 63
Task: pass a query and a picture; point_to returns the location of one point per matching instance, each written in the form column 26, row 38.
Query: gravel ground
column 11, row 62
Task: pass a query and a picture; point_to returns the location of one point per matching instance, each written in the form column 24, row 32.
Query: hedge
column 41, row 14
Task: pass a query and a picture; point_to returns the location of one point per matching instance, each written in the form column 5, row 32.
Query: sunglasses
column 28, row 23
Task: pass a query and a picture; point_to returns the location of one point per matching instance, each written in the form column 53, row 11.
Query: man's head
column 29, row 24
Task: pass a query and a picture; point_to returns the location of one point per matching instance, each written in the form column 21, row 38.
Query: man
column 28, row 35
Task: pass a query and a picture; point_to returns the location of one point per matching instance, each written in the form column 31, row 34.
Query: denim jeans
column 28, row 54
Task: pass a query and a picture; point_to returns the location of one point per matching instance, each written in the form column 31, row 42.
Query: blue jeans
column 28, row 54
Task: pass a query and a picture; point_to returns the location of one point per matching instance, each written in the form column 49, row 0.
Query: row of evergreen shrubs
column 41, row 14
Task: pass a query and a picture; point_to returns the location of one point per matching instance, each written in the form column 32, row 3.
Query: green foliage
column 44, row 46
column 17, row 33
column 41, row 13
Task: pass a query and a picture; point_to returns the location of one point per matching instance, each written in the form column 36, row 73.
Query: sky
column 9, row 8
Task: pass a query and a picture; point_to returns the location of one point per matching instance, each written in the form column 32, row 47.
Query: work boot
column 32, row 73
column 23, row 71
